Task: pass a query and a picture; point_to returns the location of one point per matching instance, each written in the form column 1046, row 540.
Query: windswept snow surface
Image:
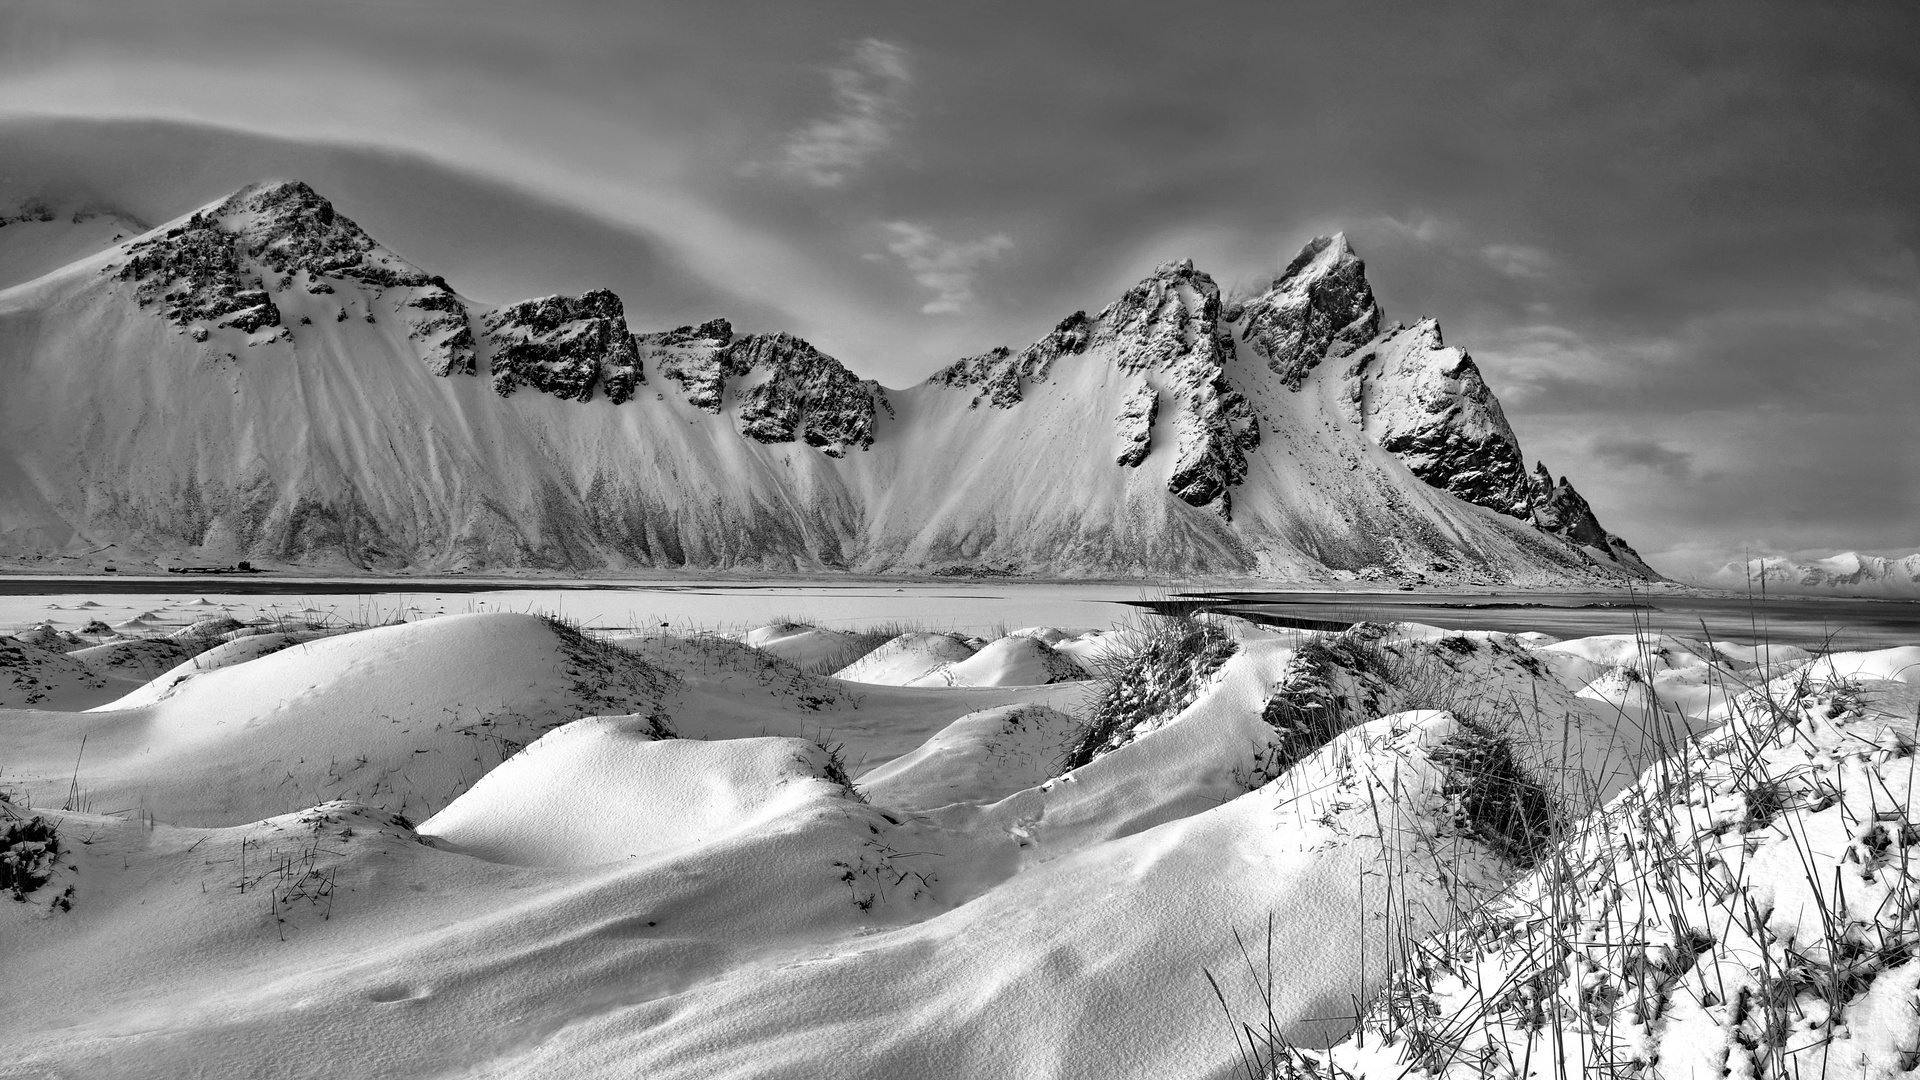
column 489, row 844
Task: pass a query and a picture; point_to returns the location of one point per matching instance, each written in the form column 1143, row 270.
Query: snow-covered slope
column 260, row 379
column 36, row 238
column 1848, row 573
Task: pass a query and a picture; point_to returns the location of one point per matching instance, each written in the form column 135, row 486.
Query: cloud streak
column 946, row 267
column 869, row 96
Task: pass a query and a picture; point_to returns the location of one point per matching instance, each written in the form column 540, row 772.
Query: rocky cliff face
column 787, row 389
column 1319, row 306
column 1134, row 425
column 565, row 346
column 1168, row 327
column 1166, row 334
column 1428, row 405
column 1560, row 510
column 222, row 266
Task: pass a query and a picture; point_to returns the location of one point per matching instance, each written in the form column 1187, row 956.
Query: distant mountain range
column 1848, row 573
column 261, row 379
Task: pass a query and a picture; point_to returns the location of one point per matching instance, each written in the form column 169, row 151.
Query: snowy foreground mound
column 492, row 845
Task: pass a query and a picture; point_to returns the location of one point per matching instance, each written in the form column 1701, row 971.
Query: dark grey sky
column 1680, row 239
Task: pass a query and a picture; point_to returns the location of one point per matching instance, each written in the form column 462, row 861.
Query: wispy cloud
column 1649, row 454
column 869, row 97
column 1418, row 225
column 1517, row 260
column 946, row 267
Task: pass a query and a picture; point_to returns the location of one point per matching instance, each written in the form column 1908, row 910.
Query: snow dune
column 491, row 845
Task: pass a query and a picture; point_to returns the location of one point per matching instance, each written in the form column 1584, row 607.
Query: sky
column 1679, row 239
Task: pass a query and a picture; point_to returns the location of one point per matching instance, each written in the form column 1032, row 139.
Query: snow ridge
column 1847, row 572
column 1001, row 375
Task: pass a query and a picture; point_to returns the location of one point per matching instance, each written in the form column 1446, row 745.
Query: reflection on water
column 1810, row 622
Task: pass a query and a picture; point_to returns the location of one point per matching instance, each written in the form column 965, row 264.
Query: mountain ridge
column 1197, row 458
column 1845, row 573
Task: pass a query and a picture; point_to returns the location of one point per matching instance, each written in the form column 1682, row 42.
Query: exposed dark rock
column 1135, row 425
column 1428, row 405
column 565, row 346
column 693, row 357
column 1560, row 510
column 804, row 394
column 712, row 333
column 446, row 330
column 208, row 270
column 793, row 391
column 1170, row 323
column 194, row 272
column 1001, row 374
column 295, row 231
column 1320, row 304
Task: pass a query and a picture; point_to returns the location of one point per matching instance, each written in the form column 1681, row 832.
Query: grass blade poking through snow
column 1134, row 688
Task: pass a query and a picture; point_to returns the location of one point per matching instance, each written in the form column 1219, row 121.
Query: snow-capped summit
column 1319, row 306
column 1848, row 573
column 261, row 379
column 223, row 266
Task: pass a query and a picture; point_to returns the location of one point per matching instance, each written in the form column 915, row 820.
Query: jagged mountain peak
column 1152, row 437
column 1321, row 305
column 1316, row 258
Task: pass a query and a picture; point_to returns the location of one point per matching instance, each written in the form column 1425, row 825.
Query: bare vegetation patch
column 1137, row 688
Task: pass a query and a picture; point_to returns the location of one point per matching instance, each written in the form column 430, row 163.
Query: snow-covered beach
column 503, row 843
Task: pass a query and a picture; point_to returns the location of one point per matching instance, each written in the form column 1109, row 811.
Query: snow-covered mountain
column 261, row 379
column 1848, row 573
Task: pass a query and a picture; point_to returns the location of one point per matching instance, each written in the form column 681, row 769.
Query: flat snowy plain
column 966, row 829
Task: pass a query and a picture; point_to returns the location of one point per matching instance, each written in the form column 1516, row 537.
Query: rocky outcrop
column 221, row 267
column 1134, row 425
column 796, row 391
column 788, row 390
column 565, row 346
column 1170, row 324
column 443, row 329
column 1560, row 510
column 1319, row 306
column 692, row 357
column 1001, row 375
column 293, row 231
column 194, row 272
column 1427, row 405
